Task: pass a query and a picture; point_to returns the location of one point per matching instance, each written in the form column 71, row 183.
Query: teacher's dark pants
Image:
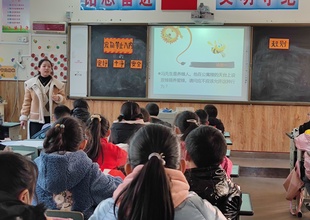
column 35, row 127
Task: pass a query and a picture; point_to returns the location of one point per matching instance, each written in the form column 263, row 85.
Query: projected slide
column 199, row 63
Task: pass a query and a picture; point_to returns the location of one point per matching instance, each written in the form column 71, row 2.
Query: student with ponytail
column 184, row 123
column 155, row 187
column 68, row 179
column 108, row 155
column 128, row 122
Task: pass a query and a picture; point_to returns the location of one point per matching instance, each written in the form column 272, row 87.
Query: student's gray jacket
column 76, row 173
column 192, row 208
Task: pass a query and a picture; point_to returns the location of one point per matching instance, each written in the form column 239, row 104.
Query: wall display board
column 52, row 47
column 199, row 63
column 20, row 61
column 118, row 61
column 281, row 67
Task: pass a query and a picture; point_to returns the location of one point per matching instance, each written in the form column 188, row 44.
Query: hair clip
column 192, row 121
column 159, row 156
column 95, row 116
column 60, row 125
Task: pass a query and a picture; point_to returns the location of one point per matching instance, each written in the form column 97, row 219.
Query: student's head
column 130, row 111
column 206, row 146
column 66, row 134
column 45, row 67
column 97, row 128
column 61, row 111
column 211, row 110
column 203, row 116
column 185, row 122
column 148, row 196
column 18, row 176
column 152, row 108
column 80, row 103
column 146, row 115
column 80, row 110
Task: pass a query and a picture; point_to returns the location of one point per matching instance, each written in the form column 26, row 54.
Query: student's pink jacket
column 302, row 142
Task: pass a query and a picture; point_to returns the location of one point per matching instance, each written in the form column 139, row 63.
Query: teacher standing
column 42, row 94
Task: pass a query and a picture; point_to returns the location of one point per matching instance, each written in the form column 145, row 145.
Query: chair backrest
column 65, row 214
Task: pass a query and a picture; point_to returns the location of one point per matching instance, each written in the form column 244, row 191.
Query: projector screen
column 199, row 63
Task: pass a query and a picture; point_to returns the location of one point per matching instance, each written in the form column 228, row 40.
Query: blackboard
column 281, row 75
column 118, row 61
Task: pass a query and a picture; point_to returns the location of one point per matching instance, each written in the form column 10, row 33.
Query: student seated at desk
column 155, row 187
column 99, row 150
column 302, row 142
column 213, row 120
column 153, row 110
column 146, row 115
column 59, row 112
column 203, row 116
column 81, row 110
column 68, row 179
column 184, row 123
column 17, row 185
column 128, row 122
column 205, row 150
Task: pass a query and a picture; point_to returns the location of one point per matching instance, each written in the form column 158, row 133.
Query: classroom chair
column 65, row 214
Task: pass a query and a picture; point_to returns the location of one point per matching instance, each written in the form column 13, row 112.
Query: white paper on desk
column 29, row 143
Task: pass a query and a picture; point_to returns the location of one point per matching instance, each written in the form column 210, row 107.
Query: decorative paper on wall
column 15, row 16
column 256, row 4
column 117, row 4
column 52, row 48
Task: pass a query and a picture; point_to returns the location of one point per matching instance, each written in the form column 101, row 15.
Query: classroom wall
column 46, row 10
column 55, row 10
column 252, row 127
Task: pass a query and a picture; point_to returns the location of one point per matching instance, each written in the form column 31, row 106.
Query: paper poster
column 7, row 72
column 118, row 45
column 15, row 16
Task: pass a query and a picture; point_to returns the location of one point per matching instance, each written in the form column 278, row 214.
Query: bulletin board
column 39, row 46
column 52, row 47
